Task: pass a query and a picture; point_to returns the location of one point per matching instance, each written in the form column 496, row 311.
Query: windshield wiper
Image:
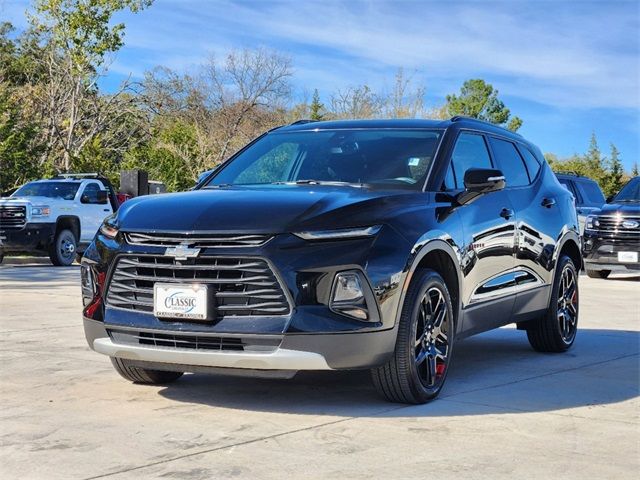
column 318, row 182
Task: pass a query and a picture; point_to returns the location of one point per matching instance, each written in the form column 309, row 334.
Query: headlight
column 592, row 222
column 40, row 211
column 341, row 234
column 108, row 228
column 348, row 296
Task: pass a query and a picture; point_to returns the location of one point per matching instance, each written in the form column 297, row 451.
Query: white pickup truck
column 56, row 217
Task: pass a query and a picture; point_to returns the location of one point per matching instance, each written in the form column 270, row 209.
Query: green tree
column 317, row 107
column 615, row 175
column 634, row 170
column 594, row 162
column 478, row 99
column 77, row 37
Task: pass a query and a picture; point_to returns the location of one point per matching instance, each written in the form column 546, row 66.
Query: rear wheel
column 63, row 251
column 598, row 273
column 556, row 330
column 419, row 366
column 143, row 375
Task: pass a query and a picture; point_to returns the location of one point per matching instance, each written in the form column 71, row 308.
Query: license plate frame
column 628, row 257
column 192, row 302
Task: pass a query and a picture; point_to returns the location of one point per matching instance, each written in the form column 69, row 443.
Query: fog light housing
column 348, row 296
column 87, row 284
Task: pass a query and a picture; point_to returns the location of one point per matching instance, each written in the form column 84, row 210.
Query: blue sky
column 566, row 67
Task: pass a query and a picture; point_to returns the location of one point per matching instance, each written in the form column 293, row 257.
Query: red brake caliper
column 440, row 367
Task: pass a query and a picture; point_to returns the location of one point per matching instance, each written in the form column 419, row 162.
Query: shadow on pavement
column 496, row 372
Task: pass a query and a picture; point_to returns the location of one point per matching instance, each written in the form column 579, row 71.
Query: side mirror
column 479, row 181
column 609, row 198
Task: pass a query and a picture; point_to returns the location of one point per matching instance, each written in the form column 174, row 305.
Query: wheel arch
column 569, row 245
column 69, row 222
column 437, row 255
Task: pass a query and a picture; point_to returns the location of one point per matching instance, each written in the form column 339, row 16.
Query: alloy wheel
column 432, row 338
column 568, row 305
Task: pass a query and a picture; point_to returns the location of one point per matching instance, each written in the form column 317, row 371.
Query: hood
column 623, row 208
column 264, row 209
column 23, row 200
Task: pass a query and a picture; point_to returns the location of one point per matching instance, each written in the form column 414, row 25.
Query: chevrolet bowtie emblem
column 182, row 252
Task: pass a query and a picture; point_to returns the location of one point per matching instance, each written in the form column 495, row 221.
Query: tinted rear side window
column 532, row 163
column 510, row 162
column 592, row 193
column 470, row 152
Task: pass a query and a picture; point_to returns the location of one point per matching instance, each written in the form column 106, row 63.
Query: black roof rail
column 303, row 121
column 459, row 118
column 570, row 172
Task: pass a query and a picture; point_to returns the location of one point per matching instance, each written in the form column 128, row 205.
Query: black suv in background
column 612, row 234
column 589, row 197
column 373, row 244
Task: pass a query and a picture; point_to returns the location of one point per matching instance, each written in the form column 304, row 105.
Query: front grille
column 13, row 216
column 242, row 286
column 197, row 240
column 615, row 224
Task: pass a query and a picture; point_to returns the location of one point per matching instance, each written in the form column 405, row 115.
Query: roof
column 457, row 121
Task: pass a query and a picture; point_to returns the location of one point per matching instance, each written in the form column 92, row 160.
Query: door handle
column 506, row 213
column 548, row 202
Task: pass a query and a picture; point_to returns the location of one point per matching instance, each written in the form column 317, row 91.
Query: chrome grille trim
column 613, row 225
column 13, row 216
column 197, row 240
column 246, row 287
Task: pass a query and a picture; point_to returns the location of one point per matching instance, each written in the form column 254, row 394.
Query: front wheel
column 556, row 330
column 417, row 371
column 63, row 251
column 143, row 375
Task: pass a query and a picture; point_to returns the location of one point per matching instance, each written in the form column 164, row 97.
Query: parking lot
column 506, row 411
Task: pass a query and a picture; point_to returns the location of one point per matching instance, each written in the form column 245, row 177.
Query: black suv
column 612, row 234
column 589, row 197
column 373, row 244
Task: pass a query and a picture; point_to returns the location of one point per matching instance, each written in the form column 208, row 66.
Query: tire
column 62, row 252
column 1, row 257
column 598, row 273
column 418, row 368
column 556, row 330
column 143, row 375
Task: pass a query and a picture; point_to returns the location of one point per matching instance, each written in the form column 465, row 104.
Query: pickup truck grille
column 197, row 240
column 616, row 225
column 242, row 286
column 13, row 216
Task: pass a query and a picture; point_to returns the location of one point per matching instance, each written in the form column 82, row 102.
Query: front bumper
column 288, row 352
column 601, row 251
column 33, row 237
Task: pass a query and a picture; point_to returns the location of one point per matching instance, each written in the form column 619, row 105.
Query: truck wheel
column 420, row 363
column 143, row 375
column 598, row 273
column 556, row 330
column 63, row 250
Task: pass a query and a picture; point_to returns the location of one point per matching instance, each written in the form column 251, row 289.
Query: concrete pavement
column 505, row 412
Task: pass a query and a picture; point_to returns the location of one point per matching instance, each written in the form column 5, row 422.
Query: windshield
column 65, row 190
column 387, row 157
column 630, row 192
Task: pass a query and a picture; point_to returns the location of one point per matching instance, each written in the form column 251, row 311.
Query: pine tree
column 634, row 170
column 614, row 179
column 317, row 107
column 594, row 162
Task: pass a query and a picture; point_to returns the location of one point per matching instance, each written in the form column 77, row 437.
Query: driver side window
column 470, row 151
column 90, row 194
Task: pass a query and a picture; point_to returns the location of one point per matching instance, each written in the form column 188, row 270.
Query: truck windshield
column 392, row 158
column 65, row 190
column 630, row 192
